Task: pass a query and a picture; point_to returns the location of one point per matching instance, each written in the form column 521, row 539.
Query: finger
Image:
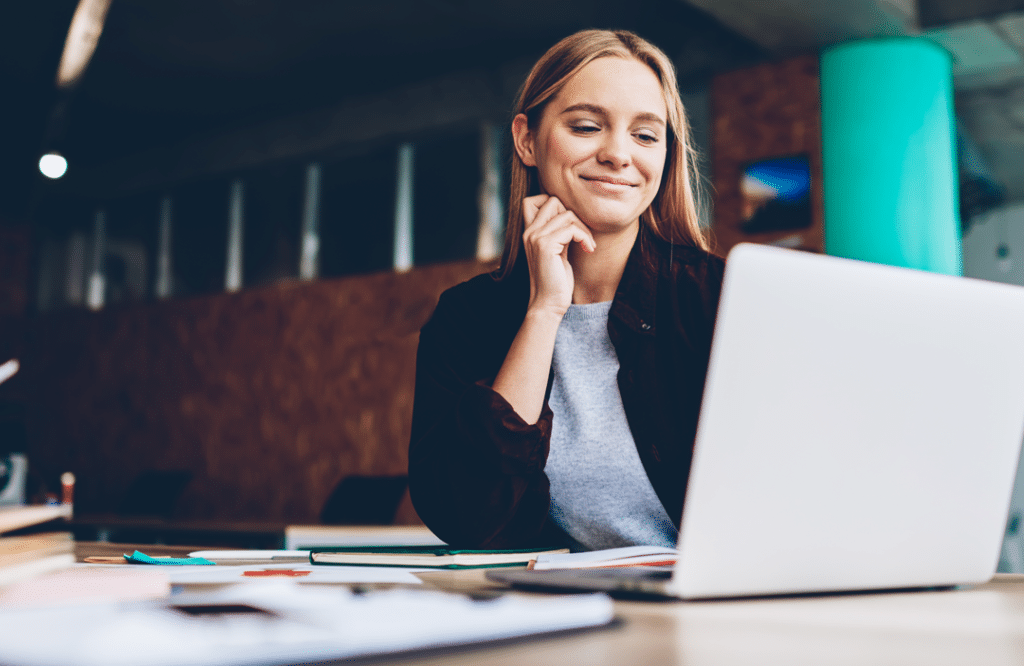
column 565, row 228
column 582, row 235
column 581, row 232
column 530, row 207
column 559, row 206
column 551, row 207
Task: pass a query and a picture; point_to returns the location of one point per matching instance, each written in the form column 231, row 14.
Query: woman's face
column 601, row 143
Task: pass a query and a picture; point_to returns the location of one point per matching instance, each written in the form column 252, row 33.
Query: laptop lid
column 860, row 429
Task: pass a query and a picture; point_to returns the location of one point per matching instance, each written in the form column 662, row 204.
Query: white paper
column 605, row 557
column 316, row 536
column 193, row 574
column 205, row 574
column 232, row 556
column 301, row 624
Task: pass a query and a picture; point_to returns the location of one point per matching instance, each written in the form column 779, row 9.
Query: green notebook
column 434, row 557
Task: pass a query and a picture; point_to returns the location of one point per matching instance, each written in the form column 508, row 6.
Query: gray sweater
column 600, row 494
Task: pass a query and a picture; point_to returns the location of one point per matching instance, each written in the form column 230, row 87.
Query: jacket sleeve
column 476, row 469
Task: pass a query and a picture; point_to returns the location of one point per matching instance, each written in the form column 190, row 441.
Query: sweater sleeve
column 476, row 469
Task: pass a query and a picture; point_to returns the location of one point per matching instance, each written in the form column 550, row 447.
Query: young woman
column 557, row 400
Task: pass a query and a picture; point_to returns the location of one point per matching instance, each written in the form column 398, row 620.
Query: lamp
column 83, row 35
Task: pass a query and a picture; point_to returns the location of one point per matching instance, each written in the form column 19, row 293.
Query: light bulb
column 53, row 165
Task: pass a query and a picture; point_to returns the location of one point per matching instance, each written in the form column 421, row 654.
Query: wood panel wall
column 15, row 248
column 269, row 396
column 769, row 110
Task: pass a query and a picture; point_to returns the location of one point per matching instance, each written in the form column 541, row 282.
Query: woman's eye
column 646, row 137
column 584, row 129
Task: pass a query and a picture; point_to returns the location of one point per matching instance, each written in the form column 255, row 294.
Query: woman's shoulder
column 689, row 255
column 482, row 291
column 695, row 276
column 688, row 260
column 482, row 300
column 474, row 324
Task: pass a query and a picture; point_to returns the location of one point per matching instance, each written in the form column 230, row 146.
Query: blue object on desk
column 142, row 558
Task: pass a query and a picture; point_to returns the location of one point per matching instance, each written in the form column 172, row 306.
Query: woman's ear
column 522, row 139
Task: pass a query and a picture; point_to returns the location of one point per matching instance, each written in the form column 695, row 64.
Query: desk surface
column 981, row 625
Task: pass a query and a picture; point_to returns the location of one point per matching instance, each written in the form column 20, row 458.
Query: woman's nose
column 614, row 150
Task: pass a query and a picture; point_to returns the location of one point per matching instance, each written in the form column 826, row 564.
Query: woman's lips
column 605, row 180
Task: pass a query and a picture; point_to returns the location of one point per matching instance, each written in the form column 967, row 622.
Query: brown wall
column 269, row 396
column 15, row 247
column 770, row 110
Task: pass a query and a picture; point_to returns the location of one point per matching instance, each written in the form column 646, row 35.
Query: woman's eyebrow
column 650, row 117
column 590, row 108
column 601, row 111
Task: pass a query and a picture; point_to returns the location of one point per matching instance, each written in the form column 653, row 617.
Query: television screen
column 776, row 195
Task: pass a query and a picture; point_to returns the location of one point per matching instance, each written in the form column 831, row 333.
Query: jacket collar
column 634, row 300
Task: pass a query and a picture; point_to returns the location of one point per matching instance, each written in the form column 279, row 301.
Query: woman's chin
column 609, row 223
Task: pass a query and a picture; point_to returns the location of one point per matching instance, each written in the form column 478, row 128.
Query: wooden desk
column 84, row 549
column 983, row 625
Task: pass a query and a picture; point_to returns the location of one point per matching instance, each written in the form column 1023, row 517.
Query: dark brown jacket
column 476, row 469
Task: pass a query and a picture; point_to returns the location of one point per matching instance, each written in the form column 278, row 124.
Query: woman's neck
column 596, row 276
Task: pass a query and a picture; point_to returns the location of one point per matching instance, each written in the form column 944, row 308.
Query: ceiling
column 169, row 71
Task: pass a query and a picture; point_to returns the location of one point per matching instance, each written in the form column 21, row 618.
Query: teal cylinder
column 889, row 154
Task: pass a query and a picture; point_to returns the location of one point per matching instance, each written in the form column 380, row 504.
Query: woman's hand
column 550, row 230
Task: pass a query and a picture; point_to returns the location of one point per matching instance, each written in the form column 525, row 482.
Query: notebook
column 860, row 430
column 435, row 557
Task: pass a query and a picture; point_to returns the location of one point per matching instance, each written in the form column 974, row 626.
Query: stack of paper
column 16, row 517
column 22, row 557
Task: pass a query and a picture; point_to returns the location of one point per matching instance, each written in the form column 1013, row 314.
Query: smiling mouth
column 608, row 181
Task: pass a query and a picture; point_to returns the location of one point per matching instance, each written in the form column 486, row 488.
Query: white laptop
column 860, row 430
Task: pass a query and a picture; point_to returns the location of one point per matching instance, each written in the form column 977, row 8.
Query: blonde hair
column 672, row 216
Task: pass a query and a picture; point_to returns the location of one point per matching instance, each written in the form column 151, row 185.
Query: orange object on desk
column 266, row 573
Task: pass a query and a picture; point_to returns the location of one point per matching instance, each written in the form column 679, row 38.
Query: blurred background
column 215, row 277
